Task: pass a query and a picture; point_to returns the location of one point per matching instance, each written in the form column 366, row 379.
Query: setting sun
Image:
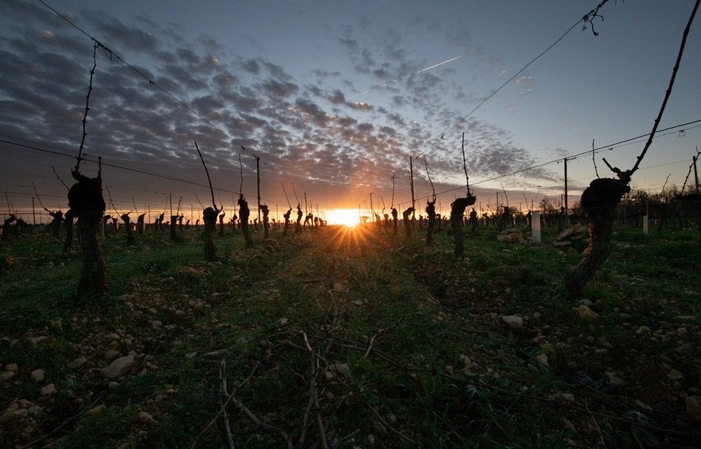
column 346, row 217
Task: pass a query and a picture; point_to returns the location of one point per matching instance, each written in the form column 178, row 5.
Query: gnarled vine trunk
column 457, row 211
column 209, row 215
column 87, row 205
column 599, row 202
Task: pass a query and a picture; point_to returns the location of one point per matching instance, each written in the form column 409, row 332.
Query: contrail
column 420, row 71
column 440, row 63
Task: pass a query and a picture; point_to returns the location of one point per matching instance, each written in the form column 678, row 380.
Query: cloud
column 303, row 131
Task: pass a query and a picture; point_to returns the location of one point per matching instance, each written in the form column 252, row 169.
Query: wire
column 509, row 80
column 603, row 147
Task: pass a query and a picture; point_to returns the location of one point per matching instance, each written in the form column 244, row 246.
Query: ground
column 355, row 334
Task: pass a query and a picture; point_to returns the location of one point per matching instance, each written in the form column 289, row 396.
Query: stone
column 513, row 320
column 37, row 375
column 11, row 367
column 97, row 408
column 77, row 363
column 613, row 378
column 675, row 375
column 512, row 235
column 36, row 340
column 542, row 360
column 146, row 417
column 693, row 407
column 586, row 313
column 119, row 367
column 48, row 390
column 15, row 414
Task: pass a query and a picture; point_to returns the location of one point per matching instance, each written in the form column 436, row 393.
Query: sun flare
column 346, row 217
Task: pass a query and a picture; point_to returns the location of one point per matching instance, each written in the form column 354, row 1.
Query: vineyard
column 351, row 337
column 574, row 325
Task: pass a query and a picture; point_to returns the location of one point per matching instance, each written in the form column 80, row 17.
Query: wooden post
column 413, row 201
column 258, row 183
column 535, row 226
column 566, row 204
column 696, row 173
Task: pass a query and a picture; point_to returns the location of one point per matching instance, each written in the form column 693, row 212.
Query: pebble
column 513, row 320
column 48, row 390
column 97, row 408
column 643, row 330
column 146, row 417
column 77, row 363
column 542, row 360
column 586, row 313
column 675, row 375
column 693, row 407
column 37, row 375
column 119, row 367
column 36, row 340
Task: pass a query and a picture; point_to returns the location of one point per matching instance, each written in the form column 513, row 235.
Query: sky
column 330, row 100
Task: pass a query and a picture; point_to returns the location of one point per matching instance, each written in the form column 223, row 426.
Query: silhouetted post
column 68, row 222
column 298, row 225
column 535, row 226
column 287, row 221
column 266, row 225
column 127, row 224
column 407, row 223
column 6, row 227
column 140, row 224
column 244, row 214
column 457, row 211
column 395, row 214
column 86, row 203
column 209, row 215
column 431, row 212
column 174, row 226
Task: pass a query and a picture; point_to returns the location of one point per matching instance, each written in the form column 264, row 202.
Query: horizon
column 331, row 103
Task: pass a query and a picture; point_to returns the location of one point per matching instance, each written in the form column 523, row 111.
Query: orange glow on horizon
column 346, row 217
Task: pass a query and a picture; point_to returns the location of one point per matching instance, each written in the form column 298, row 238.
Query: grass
column 401, row 344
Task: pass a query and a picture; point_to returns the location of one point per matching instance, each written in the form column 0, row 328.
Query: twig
column 593, row 158
column 596, row 424
column 224, row 392
column 87, row 107
column 38, row 197
column 47, row 435
column 666, row 97
column 372, row 340
column 386, row 424
column 219, row 413
column 464, row 165
column 241, row 172
column 428, row 175
column 214, row 203
column 59, row 178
